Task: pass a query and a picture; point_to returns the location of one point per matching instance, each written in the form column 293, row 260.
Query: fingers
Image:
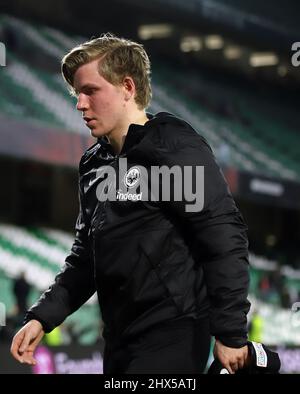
column 28, row 347
column 229, row 369
column 24, row 344
column 232, row 359
column 15, row 346
column 31, row 349
column 27, row 358
column 28, row 337
column 241, row 363
column 234, row 365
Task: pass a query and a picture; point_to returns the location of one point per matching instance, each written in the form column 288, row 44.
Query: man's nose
column 82, row 103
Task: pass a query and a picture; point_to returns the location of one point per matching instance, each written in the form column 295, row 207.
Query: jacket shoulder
column 175, row 133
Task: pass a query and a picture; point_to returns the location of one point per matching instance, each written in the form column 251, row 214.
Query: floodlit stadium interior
column 228, row 67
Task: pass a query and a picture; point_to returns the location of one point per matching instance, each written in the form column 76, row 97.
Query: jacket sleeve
column 72, row 286
column 216, row 233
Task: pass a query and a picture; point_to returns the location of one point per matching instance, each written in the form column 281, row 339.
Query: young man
column 167, row 276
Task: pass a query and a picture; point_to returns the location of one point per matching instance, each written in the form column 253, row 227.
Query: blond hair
column 118, row 58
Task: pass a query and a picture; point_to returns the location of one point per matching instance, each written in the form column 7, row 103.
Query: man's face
column 101, row 103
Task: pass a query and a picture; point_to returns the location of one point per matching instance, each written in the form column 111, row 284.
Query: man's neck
column 118, row 138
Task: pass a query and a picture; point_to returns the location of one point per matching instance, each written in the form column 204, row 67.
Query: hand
column 25, row 342
column 232, row 359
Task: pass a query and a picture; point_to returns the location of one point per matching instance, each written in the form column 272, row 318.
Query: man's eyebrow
column 86, row 86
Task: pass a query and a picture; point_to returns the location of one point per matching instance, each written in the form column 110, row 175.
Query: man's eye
column 91, row 91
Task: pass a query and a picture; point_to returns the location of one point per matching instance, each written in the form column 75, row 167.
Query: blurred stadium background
column 226, row 67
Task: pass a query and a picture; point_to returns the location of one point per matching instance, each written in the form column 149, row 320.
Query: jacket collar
column 134, row 135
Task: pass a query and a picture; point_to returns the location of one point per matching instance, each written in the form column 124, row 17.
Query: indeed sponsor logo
column 129, row 196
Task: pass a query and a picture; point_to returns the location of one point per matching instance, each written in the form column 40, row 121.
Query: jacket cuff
column 31, row 316
column 234, row 342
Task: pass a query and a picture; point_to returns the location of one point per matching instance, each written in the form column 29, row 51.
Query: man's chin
column 93, row 133
column 97, row 133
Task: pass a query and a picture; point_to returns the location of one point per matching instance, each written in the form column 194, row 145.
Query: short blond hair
column 118, row 58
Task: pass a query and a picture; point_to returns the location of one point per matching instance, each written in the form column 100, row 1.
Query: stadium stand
column 255, row 148
column 40, row 252
column 37, row 93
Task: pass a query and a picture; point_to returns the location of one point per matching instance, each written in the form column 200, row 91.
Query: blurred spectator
column 273, row 289
column 280, row 285
column 267, row 292
column 277, row 279
column 264, row 287
column 271, row 251
column 21, row 290
column 285, row 298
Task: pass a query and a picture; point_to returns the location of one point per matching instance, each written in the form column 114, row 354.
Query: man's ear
column 129, row 88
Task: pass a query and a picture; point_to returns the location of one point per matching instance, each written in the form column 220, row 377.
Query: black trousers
column 179, row 347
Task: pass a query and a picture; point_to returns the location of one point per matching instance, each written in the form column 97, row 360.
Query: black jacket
column 153, row 261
